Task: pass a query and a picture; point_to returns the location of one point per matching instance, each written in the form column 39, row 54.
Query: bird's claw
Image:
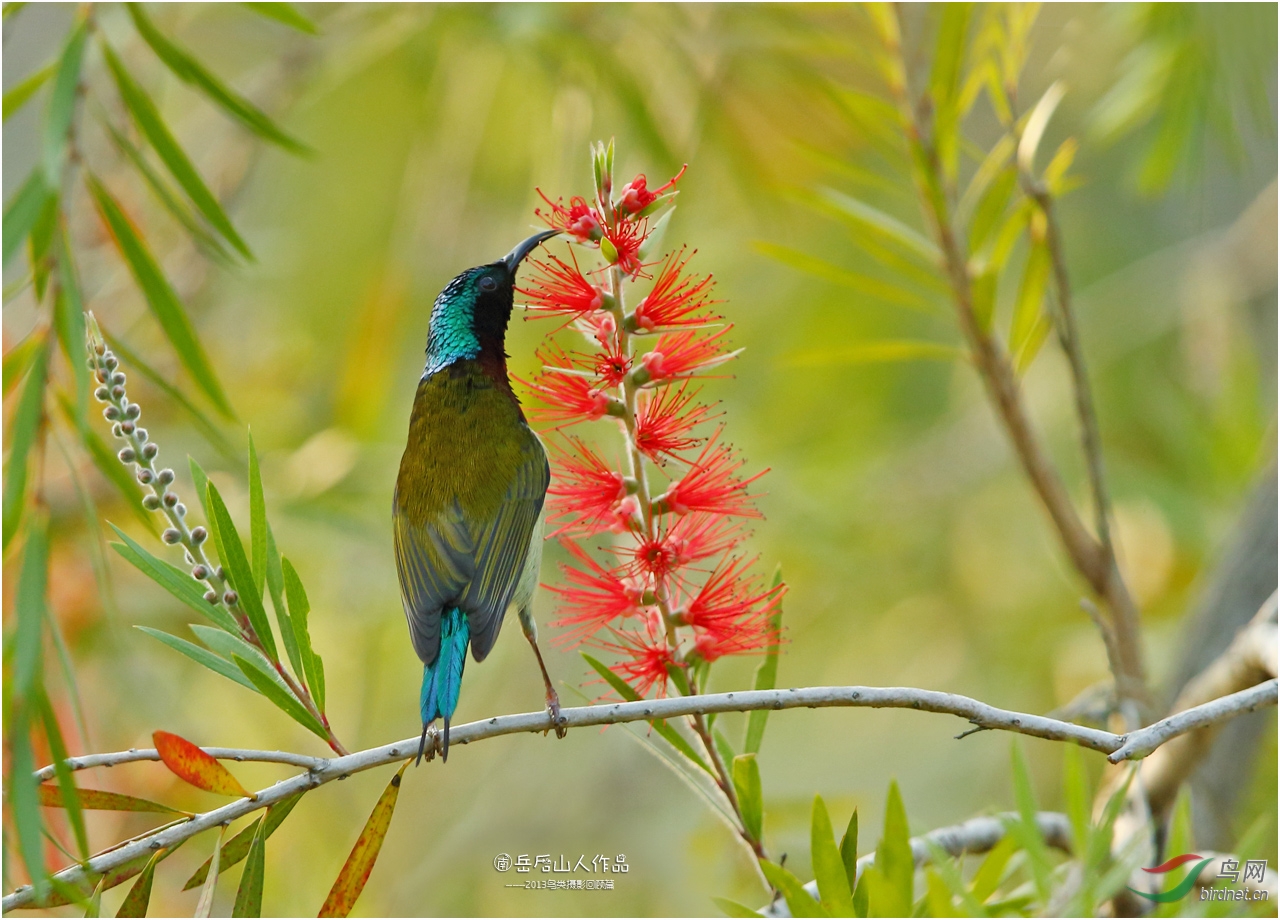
column 557, row 720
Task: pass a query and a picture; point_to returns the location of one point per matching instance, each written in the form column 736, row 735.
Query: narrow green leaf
column 27, row 419
column 947, row 868
column 178, row 210
column 798, row 900
column 828, row 866
column 937, row 896
column 734, row 909
column 883, row 897
column 257, row 522
column 355, row 871
column 248, row 901
column 1025, row 827
column 982, row 291
column 62, row 103
column 178, row 583
column 723, row 747
column 1029, row 307
column 893, row 857
column 201, row 482
column 69, row 317
column 993, row 166
column 286, row 13
column 766, row 675
column 299, row 608
column 138, row 899
column 1010, row 232
column 237, row 848
column 66, row 788
column 668, row 734
column 888, row 228
column 987, row 879
column 21, row 94
column 862, row 897
column 18, row 359
column 849, row 850
column 22, row 212
column 187, row 69
column 1077, row 795
column 147, row 118
column 200, row 656
column 991, row 207
column 24, row 806
column 28, row 637
column 98, row 800
column 40, row 238
column 746, row 782
column 236, row 563
column 275, row 585
column 160, row 295
column 857, row 281
column 285, row 701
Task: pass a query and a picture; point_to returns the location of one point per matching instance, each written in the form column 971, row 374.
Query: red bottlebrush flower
column 587, row 493
column 646, row 657
column 664, row 420
column 653, row 556
column 698, row 536
column 579, row 220
column 593, row 597
column 559, row 289
column 611, row 365
column 683, row 354
column 625, row 239
column 636, row 197
column 730, row 612
column 711, row 486
column 674, row 300
column 569, row 395
column 600, row 326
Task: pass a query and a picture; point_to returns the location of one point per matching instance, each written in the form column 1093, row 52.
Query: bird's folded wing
column 501, row 549
column 435, row 561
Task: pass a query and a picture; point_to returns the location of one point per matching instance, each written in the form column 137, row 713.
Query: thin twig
column 324, row 770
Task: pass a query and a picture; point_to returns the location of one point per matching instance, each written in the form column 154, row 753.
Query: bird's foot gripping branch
column 660, row 584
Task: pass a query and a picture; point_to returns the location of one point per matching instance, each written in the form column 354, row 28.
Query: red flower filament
column 674, row 300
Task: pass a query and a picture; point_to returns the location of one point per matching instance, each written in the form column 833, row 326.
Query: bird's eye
column 488, row 284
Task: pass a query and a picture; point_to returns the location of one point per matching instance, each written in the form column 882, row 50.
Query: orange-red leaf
column 355, row 871
column 51, row 797
column 196, row 767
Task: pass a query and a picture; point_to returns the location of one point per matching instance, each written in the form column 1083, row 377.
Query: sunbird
column 468, row 508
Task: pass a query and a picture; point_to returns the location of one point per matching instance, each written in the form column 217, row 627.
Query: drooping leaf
column 17, row 97
column 299, row 608
column 17, row 360
column 65, row 790
column 766, row 674
column 189, row 763
column 355, row 871
column 798, row 900
column 24, row 806
column 23, row 429
column 178, row 210
column 38, row 252
column 69, row 318
column 828, row 866
column 746, row 782
column 178, row 583
column 31, row 604
column 236, row 563
column 62, row 103
column 151, row 124
column 665, row 731
column 734, row 909
column 138, row 899
column 204, row 907
column 23, row 210
column 248, row 901
column 257, row 522
column 286, row 13
column 237, row 848
column 894, row 862
column 888, row 228
column 862, row 283
column 187, row 69
column 97, row 800
column 201, row 656
column 160, row 296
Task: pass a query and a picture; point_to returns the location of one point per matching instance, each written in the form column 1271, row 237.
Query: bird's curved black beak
column 516, row 256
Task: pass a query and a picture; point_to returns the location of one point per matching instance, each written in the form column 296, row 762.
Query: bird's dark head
column 470, row 316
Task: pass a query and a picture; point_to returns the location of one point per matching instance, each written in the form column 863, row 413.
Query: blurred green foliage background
column 915, row 553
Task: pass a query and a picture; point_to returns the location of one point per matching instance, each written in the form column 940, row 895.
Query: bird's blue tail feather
column 442, row 679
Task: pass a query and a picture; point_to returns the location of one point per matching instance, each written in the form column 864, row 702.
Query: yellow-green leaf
column 62, row 103
column 248, row 901
column 746, row 782
column 286, row 13
column 17, row 97
column 97, row 800
column 237, row 848
column 139, row 897
column 828, row 867
column 355, row 871
column 798, row 900
column 26, row 422
column 236, row 563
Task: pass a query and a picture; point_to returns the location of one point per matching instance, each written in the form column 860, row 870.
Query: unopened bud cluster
column 140, row 453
